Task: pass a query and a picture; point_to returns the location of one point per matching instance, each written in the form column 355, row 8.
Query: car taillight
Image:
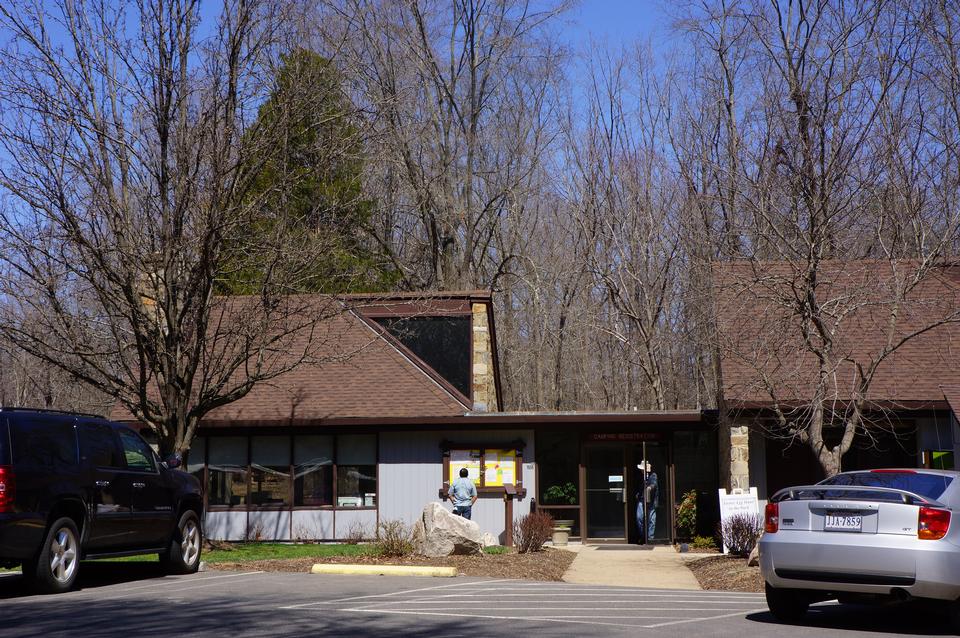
column 7, row 489
column 771, row 518
column 932, row 523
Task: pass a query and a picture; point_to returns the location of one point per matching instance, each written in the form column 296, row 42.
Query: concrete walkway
column 630, row 566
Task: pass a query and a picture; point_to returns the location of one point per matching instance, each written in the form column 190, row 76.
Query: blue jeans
column 463, row 510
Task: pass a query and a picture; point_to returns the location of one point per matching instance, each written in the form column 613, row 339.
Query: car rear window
column 43, row 443
column 931, row 486
column 4, row 443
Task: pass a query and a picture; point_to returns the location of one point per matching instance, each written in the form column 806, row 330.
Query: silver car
column 859, row 536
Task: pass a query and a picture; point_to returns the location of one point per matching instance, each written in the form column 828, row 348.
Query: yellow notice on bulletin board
column 469, row 459
column 500, row 467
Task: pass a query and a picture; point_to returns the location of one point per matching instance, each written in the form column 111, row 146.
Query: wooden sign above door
column 625, row 436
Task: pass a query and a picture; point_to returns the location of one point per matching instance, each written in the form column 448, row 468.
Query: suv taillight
column 932, row 523
column 771, row 518
column 7, row 489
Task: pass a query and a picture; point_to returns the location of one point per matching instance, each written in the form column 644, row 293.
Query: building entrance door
column 650, row 493
column 605, row 491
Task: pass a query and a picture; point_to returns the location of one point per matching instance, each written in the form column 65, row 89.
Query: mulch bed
column 546, row 565
column 729, row 573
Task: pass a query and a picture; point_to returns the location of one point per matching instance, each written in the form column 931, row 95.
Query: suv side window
column 98, row 445
column 42, row 443
column 138, row 454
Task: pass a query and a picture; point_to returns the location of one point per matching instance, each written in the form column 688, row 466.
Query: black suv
column 75, row 486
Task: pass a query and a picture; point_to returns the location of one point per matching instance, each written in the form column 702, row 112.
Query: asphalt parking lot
column 125, row 599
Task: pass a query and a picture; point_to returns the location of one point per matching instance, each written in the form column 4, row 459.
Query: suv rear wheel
column 183, row 555
column 54, row 570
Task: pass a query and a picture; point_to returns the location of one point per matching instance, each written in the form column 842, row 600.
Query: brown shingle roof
column 357, row 374
column 761, row 345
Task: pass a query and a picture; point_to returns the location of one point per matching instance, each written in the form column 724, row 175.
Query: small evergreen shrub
column 703, row 542
column 687, row 514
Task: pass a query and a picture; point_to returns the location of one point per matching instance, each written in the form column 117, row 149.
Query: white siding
column 226, row 526
column 269, row 526
column 313, row 524
column 411, row 474
column 347, row 520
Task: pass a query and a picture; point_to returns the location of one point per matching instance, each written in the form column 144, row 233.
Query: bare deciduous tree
column 130, row 144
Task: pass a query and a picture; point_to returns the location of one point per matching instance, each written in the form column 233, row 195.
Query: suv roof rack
column 50, row 411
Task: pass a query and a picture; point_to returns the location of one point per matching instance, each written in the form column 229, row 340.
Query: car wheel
column 183, row 555
column 55, row 568
column 787, row 605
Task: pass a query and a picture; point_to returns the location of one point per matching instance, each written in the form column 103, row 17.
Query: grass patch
column 243, row 552
column 496, row 549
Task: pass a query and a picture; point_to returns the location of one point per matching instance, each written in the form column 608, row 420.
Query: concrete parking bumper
column 384, row 570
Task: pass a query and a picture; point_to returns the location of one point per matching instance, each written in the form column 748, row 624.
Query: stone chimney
column 483, row 375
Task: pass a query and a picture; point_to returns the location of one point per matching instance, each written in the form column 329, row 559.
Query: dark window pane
column 313, row 470
column 442, row 342
column 46, row 444
column 558, row 456
column 136, row 452
column 270, row 470
column 98, row 445
column 196, row 457
column 4, row 447
column 356, row 485
column 227, row 472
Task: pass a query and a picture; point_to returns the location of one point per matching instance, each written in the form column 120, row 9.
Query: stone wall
column 739, row 457
column 734, row 452
column 483, row 374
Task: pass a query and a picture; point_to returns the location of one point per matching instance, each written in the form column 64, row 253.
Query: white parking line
column 692, row 620
column 489, row 617
column 387, row 595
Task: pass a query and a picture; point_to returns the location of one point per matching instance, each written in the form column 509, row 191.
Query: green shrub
column 687, row 514
column 565, row 494
column 496, row 549
column 703, row 542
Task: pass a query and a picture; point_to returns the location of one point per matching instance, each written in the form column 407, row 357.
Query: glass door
column 650, row 496
column 605, row 491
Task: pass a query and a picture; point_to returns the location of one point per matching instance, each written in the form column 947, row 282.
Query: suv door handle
column 102, row 483
column 139, row 486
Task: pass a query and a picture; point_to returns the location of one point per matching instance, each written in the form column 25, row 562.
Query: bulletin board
column 500, row 467
column 469, row 459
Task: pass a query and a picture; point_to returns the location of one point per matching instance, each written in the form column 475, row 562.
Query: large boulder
column 441, row 533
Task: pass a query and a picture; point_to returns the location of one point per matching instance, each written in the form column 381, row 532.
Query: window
column 98, row 445
column 44, row 444
column 196, row 457
column 357, row 471
column 558, row 457
column 316, row 460
column 443, row 343
column 228, row 471
column 270, row 470
column 137, row 453
column 313, row 469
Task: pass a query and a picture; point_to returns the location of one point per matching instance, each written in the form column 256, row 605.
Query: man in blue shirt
column 463, row 494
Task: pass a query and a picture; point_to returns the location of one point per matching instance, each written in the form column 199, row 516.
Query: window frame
column 291, row 507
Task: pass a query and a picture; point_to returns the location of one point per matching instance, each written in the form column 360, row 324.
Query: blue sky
column 618, row 21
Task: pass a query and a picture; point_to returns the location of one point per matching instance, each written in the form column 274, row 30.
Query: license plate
column 842, row 523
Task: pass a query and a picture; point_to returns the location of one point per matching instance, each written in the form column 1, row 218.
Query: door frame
column 627, row 442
